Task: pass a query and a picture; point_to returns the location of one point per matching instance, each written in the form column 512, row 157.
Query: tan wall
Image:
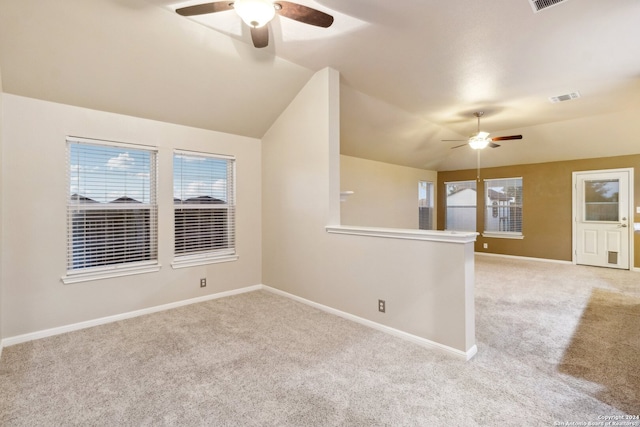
column 35, row 226
column 547, row 205
column 385, row 195
column 427, row 285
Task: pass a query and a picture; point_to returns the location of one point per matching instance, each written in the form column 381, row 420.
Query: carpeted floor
column 557, row 344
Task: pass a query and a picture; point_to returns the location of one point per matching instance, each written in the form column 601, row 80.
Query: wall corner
column 333, row 77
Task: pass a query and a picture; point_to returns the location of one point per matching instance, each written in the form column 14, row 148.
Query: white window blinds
column 461, row 200
column 425, row 205
column 503, row 205
column 204, row 205
column 112, row 210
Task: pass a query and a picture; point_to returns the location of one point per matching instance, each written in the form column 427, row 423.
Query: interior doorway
column 602, row 212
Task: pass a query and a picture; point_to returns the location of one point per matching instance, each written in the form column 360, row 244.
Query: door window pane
column 601, row 200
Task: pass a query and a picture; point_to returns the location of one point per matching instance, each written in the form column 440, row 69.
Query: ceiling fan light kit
column 255, row 13
column 481, row 140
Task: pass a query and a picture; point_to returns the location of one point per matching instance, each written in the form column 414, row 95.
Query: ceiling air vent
column 567, row 97
column 539, row 5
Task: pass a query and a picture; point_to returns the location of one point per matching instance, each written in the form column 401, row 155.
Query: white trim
column 78, row 277
column 464, row 180
column 555, row 261
column 497, row 179
column 192, row 262
column 502, row 235
column 95, row 141
column 203, row 154
column 115, row 318
column 407, row 234
column 380, row 327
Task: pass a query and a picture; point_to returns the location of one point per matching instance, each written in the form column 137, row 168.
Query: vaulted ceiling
column 413, row 71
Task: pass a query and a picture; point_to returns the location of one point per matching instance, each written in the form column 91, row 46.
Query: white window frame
column 475, row 206
column 497, row 233
column 216, row 255
column 427, row 203
column 126, row 268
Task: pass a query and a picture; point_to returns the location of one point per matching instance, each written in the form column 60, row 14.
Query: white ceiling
column 413, row 71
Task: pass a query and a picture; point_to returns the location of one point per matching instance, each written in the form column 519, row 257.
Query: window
column 111, row 210
column 460, row 214
column 425, row 205
column 503, row 207
column 601, row 200
column 204, row 205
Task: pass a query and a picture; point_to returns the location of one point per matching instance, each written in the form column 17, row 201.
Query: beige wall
column 385, row 195
column 428, row 286
column 34, row 217
column 1, row 203
column 547, row 205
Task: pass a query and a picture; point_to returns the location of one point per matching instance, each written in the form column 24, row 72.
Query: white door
column 601, row 207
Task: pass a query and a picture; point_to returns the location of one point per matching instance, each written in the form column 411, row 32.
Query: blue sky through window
column 199, row 176
column 104, row 173
column 107, row 173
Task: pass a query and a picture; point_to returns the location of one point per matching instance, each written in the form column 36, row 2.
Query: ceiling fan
column 481, row 140
column 258, row 13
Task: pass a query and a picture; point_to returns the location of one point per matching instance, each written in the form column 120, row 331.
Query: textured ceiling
column 413, row 72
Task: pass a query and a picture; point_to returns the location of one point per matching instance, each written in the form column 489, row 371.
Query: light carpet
column 557, row 344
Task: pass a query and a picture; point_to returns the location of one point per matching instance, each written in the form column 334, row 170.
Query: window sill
column 79, row 277
column 187, row 261
column 498, row 235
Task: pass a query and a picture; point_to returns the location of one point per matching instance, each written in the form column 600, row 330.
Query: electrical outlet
column 203, row 282
column 381, row 305
column 485, row 245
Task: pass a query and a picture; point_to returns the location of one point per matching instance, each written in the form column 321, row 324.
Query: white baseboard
column 555, row 261
column 525, row 258
column 6, row 342
column 378, row 326
column 18, row 339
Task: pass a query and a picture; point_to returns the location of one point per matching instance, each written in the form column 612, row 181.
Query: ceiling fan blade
column 453, row 140
column 461, row 145
column 201, row 9
column 493, row 145
column 260, row 36
column 304, row 14
column 506, row 138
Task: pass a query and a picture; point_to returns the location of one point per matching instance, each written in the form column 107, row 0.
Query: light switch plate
column 638, row 209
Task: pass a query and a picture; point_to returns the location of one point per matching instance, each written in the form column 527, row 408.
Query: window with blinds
column 461, row 200
column 503, row 206
column 111, row 206
column 425, row 205
column 204, row 206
